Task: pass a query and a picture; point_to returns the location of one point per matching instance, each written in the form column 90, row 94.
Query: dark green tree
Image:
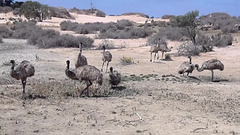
column 8, row 2
column 1, row 3
column 188, row 22
column 35, row 11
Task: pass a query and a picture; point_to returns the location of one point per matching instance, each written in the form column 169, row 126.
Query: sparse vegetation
column 48, row 38
column 5, row 32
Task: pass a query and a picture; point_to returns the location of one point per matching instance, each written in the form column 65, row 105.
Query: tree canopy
column 188, row 22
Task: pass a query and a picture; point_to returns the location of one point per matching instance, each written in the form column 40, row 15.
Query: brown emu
column 81, row 60
column 211, row 65
column 115, row 77
column 86, row 73
column 22, row 71
column 107, row 57
column 186, row 67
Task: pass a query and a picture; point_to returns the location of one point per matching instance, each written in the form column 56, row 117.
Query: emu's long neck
column 190, row 60
column 199, row 69
column 13, row 73
column 70, row 74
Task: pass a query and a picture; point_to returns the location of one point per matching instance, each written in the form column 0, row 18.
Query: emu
column 211, row 65
column 86, row 73
column 107, row 57
column 115, row 77
column 81, row 60
column 186, row 67
column 22, row 71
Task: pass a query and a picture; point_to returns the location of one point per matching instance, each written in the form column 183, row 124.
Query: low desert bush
column 64, row 41
column 86, row 28
column 205, row 42
column 188, row 49
column 6, row 9
column 229, row 29
column 122, row 24
column 61, row 13
column 5, row 32
column 139, row 14
column 128, row 33
column 126, row 60
column 168, row 16
column 100, row 13
column 156, row 39
column 107, row 43
column 68, row 25
column 1, row 39
column 220, row 40
column 174, row 34
column 47, row 38
column 23, row 30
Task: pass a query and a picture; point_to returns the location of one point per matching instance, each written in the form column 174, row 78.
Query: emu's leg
column 154, row 59
column 162, row 54
column 150, row 56
column 102, row 65
column 24, row 93
column 187, row 73
column 212, row 75
column 107, row 66
column 89, row 83
column 157, row 55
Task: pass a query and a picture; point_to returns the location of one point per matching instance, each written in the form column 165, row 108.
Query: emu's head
column 68, row 63
column 111, row 69
column 13, row 63
column 104, row 47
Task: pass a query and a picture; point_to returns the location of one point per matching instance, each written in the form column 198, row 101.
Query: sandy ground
column 163, row 102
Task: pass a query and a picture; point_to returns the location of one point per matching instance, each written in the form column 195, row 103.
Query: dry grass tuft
column 126, row 60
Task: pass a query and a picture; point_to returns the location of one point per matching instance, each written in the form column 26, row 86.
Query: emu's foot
column 24, row 96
